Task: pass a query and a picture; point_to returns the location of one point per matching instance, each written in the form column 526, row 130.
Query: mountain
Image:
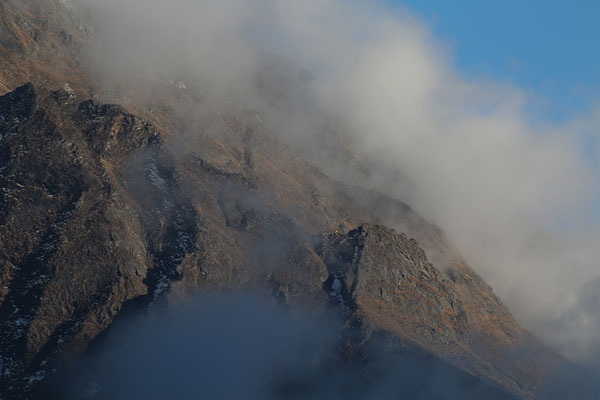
column 108, row 211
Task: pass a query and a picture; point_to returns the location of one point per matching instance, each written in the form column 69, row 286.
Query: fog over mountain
column 253, row 350
column 284, row 199
column 514, row 193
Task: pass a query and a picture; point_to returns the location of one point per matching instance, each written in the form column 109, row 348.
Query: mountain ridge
column 144, row 192
column 101, row 208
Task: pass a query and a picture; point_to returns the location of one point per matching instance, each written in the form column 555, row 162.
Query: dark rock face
column 380, row 273
column 73, row 240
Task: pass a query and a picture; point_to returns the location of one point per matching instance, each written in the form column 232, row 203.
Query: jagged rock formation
column 384, row 280
column 103, row 212
column 70, row 240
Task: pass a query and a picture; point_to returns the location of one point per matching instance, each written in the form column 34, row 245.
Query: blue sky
column 550, row 48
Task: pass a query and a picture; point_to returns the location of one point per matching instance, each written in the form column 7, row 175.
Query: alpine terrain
column 116, row 206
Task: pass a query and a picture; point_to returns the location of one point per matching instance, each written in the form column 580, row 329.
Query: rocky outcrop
column 385, row 278
column 78, row 238
column 383, row 282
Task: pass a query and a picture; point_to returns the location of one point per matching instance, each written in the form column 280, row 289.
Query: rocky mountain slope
column 104, row 213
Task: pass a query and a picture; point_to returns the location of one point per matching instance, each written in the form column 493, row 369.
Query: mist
column 515, row 193
column 240, row 346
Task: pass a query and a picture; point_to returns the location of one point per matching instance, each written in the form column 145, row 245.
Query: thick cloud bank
column 514, row 193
